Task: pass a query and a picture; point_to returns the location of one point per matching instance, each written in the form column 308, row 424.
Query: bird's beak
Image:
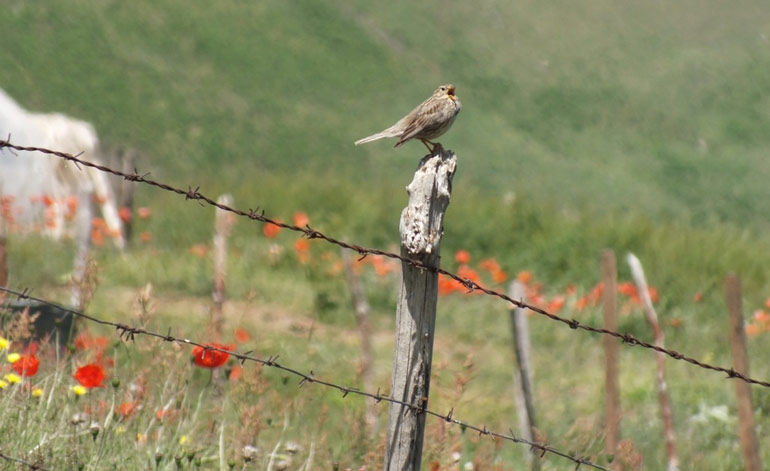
column 451, row 93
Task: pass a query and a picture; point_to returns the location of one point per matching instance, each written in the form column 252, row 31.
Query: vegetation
column 633, row 127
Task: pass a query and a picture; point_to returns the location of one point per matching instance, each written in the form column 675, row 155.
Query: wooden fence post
column 525, row 403
column 223, row 222
column 361, row 308
column 421, row 229
column 84, row 218
column 126, row 189
column 747, row 429
column 665, row 402
column 3, row 252
column 612, row 412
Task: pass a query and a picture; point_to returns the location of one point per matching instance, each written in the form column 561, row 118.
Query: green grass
column 642, row 108
column 633, row 127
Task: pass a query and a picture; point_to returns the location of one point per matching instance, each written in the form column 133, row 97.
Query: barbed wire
column 128, row 333
column 32, row 466
column 310, row 233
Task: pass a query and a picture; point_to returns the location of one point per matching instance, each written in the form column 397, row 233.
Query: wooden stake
column 665, row 402
column 126, row 189
column 525, row 401
column 361, row 308
column 223, row 222
column 747, row 430
column 612, row 412
column 3, row 252
column 421, row 230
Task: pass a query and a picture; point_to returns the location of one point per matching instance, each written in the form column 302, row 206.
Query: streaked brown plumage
column 432, row 118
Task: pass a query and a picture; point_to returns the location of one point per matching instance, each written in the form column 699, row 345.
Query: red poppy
column 97, row 237
column 524, row 276
column 752, row 329
column 301, row 219
column 271, row 230
column 72, row 206
column 85, row 341
column 208, row 358
column 447, row 285
column 125, row 214
column 761, row 316
column 26, row 365
column 555, row 304
column 90, row 376
column 235, row 373
column 462, row 256
column 596, row 294
column 241, row 335
column 200, row 250
column 499, row 276
column 127, row 408
column 302, row 248
column 383, row 266
column 144, row 213
column 166, row 414
column 469, row 274
column 490, row 265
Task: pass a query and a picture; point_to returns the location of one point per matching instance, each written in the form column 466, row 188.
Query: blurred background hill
column 656, row 107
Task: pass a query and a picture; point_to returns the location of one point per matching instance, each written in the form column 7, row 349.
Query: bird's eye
column 443, row 89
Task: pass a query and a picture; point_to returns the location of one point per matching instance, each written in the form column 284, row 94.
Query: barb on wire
column 32, row 466
column 126, row 332
column 470, row 285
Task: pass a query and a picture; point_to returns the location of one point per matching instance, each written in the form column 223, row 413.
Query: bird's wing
column 420, row 117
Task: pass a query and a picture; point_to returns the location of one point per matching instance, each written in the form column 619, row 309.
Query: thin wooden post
column 84, row 217
column 421, row 229
column 3, row 252
column 665, row 402
column 525, row 403
column 361, row 309
column 612, row 412
column 126, row 188
column 747, row 430
column 223, row 222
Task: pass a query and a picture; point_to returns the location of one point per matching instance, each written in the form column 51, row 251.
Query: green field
column 637, row 127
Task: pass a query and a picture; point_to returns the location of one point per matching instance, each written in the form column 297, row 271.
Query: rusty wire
column 310, row 233
column 128, row 333
column 32, row 466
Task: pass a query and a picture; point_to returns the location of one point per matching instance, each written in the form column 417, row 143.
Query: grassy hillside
column 654, row 107
column 638, row 127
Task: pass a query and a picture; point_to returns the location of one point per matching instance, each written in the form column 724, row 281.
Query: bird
column 429, row 120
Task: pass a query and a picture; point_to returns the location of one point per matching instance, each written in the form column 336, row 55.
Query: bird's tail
column 393, row 131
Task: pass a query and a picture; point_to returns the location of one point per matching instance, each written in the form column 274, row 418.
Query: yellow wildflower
column 79, row 390
column 37, row 392
column 12, row 378
column 13, row 357
column 4, row 344
column 183, row 439
column 3, row 384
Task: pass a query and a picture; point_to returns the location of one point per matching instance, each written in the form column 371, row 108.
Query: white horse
column 42, row 190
